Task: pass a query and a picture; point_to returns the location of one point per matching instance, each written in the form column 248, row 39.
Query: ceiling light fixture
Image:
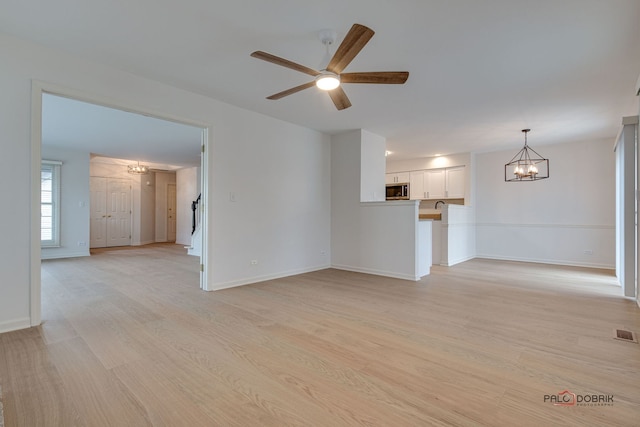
column 327, row 80
column 138, row 169
column 526, row 165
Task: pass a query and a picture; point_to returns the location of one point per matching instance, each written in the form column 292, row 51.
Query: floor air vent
column 621, row 334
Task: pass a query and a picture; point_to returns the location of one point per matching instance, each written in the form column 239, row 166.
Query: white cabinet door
column 416, row 186
column 397, row 178
column 434, row 181
column 455, row 183
column 403, row 177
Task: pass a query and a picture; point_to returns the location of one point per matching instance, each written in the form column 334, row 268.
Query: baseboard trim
column 549, row 261
column 258, row 279
column 375, row 272
column 14, row 325
column 45, row 255
column 457, row 261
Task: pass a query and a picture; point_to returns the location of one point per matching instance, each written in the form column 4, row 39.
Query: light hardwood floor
column 128, row 339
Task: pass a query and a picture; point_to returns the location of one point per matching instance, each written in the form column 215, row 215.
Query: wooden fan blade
column 381, row 77
column 339, row 98
column 291, row 91
column 284, row 62
column 357, row 37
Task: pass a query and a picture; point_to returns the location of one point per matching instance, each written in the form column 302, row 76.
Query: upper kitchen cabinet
column 454, row 182
column 395, row 178
column 445, row 183
column 416, row 186
column 434, row 184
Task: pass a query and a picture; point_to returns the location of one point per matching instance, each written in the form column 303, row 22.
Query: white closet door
column 98, row 220
column 118, row 212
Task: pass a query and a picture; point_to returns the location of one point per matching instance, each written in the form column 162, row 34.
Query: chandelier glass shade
column 526, row 165
column 138, row 169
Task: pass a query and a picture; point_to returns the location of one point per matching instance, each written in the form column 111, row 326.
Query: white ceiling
column 108, row 132
column 479, row 70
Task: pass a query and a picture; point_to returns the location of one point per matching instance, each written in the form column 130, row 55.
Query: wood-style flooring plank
column 100, row 397
column 129, row 339
column 33, row 393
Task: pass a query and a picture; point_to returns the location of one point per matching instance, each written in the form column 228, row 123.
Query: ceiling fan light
column 327, row 80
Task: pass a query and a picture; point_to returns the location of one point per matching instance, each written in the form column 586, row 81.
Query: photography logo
column 567, row 398
column 564, row 398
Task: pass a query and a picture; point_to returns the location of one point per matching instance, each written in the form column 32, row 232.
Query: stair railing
column 195, row 213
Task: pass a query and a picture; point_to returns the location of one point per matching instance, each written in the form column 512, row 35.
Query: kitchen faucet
column 439, row 201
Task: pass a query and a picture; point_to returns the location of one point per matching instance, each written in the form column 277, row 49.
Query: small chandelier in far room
column 527, row 165
column 138, row 169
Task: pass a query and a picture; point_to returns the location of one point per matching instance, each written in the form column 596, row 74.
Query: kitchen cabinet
column 416, row 185
column 445, row 183
column 434, row 184
column 397, row 177
column 454, row 181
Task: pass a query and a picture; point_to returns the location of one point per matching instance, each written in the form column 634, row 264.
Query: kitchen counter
column 433, row 216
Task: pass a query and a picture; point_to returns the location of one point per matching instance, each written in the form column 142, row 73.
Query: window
column 50, row 203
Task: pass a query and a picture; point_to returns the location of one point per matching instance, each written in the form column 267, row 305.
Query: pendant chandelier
column 527, row 165
column 138, row 169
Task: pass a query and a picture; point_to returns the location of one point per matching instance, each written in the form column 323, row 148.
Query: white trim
column 548, row 261
column 14, row 325
column 376, row 272
column 58, row 255
column 584, row 226
column 35, row 296
column 258, row 279
column 39, row 87
column 457, row 261
column 205, row 215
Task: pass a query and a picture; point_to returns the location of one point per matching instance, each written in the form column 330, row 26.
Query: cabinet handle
column 427, row 194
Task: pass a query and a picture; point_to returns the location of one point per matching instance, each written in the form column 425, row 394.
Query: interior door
column 118, row 212
column 171, row 212
column 98, row 215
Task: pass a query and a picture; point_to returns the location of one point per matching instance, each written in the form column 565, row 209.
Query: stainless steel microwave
column 398, row 191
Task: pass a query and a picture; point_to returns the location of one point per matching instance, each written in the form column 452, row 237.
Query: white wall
column 280, row 173
column 187, row 189
column 376, row 237
column 553, row 220
column 372, row 167
column 458, row 238
column 74, row 203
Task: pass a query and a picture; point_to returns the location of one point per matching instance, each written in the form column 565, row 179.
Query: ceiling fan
column 331, row 78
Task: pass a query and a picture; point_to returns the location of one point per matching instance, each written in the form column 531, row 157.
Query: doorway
column 38, row 90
